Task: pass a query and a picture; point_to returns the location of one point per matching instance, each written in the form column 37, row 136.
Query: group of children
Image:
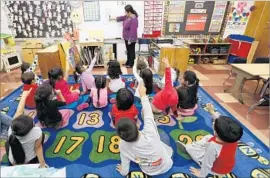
column 24, row 143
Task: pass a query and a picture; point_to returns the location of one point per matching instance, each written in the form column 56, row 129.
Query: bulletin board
column 194, row 17
column 40, row 19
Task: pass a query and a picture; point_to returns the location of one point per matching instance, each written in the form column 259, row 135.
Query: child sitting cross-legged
column 143, row 147
column 47, row 107
column 58, row 80
column 215, row 154
column 114, row 72
column 124, row 107
column 98, row 95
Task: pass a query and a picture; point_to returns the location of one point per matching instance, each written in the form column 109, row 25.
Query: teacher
column 130, row 25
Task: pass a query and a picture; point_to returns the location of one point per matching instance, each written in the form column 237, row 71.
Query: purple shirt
column 130, row 25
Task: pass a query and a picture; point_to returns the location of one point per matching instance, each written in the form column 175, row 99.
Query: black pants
column 32, row 161
column 130, row 53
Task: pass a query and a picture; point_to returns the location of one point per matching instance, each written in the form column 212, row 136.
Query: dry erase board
column 194, row 17
column 40, row 19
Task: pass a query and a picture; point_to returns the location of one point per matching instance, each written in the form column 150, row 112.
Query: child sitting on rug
column 24, row 145
column 215, row 154
column 28, row 79
column 85, row 73
column 141, row 72
column 124, row 107
column 143, row 147
column 114, row 76
column 59, row 82
column 167, row 98
column 191, row 83
column 47, row 107
column 98, row 95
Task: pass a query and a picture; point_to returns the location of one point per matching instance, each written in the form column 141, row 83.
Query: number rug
column 87, row 144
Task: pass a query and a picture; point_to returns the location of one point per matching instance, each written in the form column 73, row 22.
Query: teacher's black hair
column 129, row 8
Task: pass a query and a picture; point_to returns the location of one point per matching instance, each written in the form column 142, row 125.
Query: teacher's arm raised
column 118, row 19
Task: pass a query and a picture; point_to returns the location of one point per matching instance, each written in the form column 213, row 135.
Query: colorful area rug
column 88, row 146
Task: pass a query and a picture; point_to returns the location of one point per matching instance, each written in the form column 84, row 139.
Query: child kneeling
column 143, row 147
column 215, row 154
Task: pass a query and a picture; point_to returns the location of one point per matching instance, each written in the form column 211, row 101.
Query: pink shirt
column 103, row 97
column 87, row 78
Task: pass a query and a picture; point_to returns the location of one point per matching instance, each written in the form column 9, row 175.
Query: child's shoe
column 82, row 106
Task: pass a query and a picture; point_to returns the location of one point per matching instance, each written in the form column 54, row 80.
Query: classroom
column 135, row 89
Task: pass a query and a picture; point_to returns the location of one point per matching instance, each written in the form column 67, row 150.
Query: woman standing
column 130, row 25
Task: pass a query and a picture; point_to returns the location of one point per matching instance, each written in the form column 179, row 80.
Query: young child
column 24, row 145
column 47, row 107
column 143, row 147
column 174, row 76
column 114, row 76
column 85, row 74
column 98, row 95
column 191, row 83
column 215, row 154
column 141, row 72
column 5, row 122
column 59, row 82
column 28, row 79
column 167, row 98
column 124, row 107
column 26, row 67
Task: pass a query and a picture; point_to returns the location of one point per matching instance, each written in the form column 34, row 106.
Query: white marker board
column 113, row 29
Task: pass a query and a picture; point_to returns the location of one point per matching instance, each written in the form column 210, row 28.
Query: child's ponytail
column 20, row 126
column 100, row 83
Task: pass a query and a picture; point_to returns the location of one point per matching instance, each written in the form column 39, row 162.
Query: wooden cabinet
column 29, row 49
column 48, row 58
column 177, row 55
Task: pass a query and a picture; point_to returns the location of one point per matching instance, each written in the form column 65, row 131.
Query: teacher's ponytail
column 129, row 8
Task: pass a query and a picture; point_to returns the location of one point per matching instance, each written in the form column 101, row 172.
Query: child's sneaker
column 82, row 106
column 113, row 100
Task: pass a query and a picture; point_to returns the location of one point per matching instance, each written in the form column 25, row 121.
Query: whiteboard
column 113, row 29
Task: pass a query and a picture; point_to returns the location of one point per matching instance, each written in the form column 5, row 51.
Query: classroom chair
column 146, row 42
column 258, row 60
column 237, row 60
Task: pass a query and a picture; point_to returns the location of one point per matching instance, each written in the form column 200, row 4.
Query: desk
column 245, row 71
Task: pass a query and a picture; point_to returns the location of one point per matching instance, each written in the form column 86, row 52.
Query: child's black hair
column 28, row 77
column 25, row 66
column 54, row 75
column 20, row 126
column 127, row 130
column 78, row 71
column 227, row 129
column 100, row 83
column 193, row 84
column 42, row 96
column 177, row 71
column 183, row 96
column 114, row 69
column 147, row 77
column 124, row 99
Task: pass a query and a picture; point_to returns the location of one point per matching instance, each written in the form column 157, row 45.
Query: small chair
column 237, row 60
column 144, row 41
column 259, row 60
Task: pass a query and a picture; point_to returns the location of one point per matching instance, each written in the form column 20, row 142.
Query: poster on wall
column 40, row 19
column 196, row 22
column 238, row 17
column 218, row 15
column 194, row 17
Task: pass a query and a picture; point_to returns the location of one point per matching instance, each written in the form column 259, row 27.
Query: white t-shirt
column 116, row 84
column 28, row 143
column 152, row 155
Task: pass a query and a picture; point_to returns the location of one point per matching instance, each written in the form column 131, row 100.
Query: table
column 245, row 71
